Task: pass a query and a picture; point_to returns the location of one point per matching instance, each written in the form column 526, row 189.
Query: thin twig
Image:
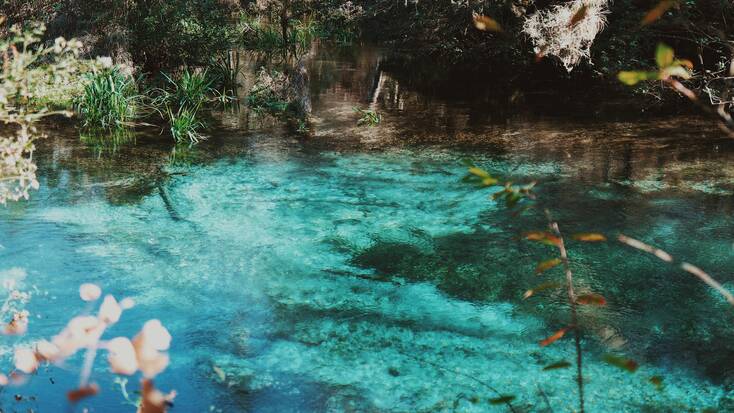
column 689, row 268
column 468, row 376
column 572, row 301
column 726, row 124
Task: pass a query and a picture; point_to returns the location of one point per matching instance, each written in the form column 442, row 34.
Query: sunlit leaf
column 558, row 365
column 502, row 399
column 677, row 71
column 540, row 288
column 589, row 237
column 547, row 265
column 664, row 55
column 658, row 11
column 683, row 62
column 479, row 176
column 543, row 237
column 579, row 15
column 621, row 362
column 553, row 338
column 479, row 172
column 631, row 78
column 657, row 381
column 486, row 23
column 82, row 392
column 591, row 299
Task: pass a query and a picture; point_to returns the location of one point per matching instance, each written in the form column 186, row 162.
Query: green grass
column 367, row 117
column 190, row 90
column 180, row 102
column 185, row 125
column 110, row 101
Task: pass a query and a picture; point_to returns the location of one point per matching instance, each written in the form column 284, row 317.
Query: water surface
column 353, row 272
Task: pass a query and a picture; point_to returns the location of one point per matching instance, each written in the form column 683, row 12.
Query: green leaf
column 631, row 78
column 502, row 399
column 557, row 365
column 664, row 55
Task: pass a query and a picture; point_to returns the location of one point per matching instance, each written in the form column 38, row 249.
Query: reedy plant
column 110, row 101
column 180, row 101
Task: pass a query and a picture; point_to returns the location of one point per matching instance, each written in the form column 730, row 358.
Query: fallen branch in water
column 689, row 268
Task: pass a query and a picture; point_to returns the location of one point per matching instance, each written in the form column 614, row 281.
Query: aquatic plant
column 180, row 102
column 190, row 90
column 110, row 100
column 367, row 117
column 224, row 73
column 184, row 125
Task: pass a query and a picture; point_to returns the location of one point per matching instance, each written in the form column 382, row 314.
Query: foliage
column 180, row 103
column 168, row 34
column 110, row 100
column 184, row 125
column 367, row 117
column 270, row 93
column 224, row 73
column 29, row 72
column 668, row 67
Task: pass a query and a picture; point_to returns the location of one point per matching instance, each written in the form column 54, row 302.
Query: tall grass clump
column 110, row 100
column 180, row 102
column 225, row 71
column 185, row 125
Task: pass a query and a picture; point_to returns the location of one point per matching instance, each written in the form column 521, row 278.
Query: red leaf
column 153, row 401
column 82, row 392
column 555, row 337
column 543, row 237
column 591, row 299
column 621, row 362
column 658, row 11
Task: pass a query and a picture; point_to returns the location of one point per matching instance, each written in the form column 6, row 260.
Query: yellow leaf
column 664, row 55
column 547, row 265
column 589, row 237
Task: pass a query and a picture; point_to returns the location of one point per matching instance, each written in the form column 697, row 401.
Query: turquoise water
column 353, row 272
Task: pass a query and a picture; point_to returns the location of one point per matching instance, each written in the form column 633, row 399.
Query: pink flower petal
column 89, row 292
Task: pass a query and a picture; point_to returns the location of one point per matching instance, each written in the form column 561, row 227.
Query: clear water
column 354, row 273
